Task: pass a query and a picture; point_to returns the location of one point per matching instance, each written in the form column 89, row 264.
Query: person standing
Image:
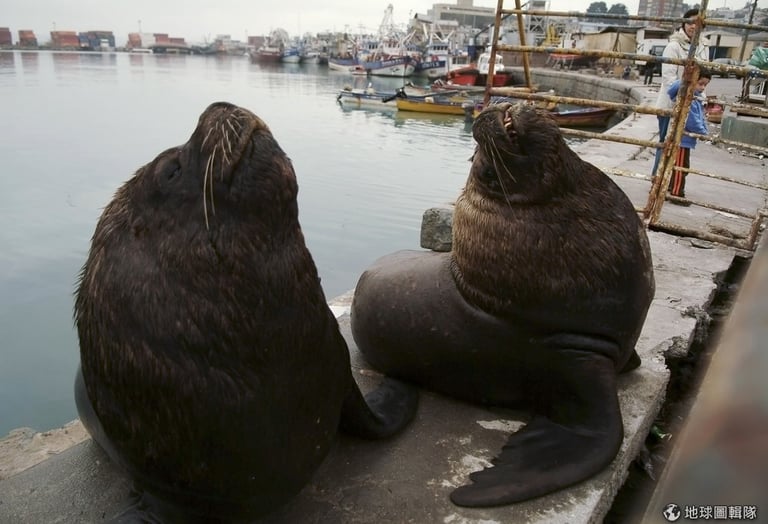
column 678, row 47
column 650, row 65
column 695, row 123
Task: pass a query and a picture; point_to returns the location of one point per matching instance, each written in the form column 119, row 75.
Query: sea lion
column 212, row 369
column 538, row 306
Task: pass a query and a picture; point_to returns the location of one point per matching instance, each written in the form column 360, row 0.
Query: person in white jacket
column 678, row 47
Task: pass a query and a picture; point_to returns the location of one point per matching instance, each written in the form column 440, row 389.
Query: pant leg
column 663, row 126
column 677, row 182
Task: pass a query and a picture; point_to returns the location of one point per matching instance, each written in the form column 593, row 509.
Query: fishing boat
column 367, row 98
column 272, row 50
column 267, row 54
column 391, row 55
column 292, row 55
column 345, row 64
column 477, row 74
column 436, row 59
column 435, row 104
column 398, row 66
column 582, row 116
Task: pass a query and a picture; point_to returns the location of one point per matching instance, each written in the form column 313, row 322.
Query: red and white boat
column 477, row 74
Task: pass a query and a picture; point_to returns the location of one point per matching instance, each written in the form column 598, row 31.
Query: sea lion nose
column 220, row 105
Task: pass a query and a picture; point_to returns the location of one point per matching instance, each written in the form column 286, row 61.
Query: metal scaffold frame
column 651, row 212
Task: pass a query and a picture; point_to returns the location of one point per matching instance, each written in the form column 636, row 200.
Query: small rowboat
column 434, row 105
column 582, row 117
column 366, row 99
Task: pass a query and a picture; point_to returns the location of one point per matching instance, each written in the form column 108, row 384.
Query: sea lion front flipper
column 575, row 439
column 382, row 412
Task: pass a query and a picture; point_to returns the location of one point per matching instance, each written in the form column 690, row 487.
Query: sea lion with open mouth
column 538, row 306
column 212, row 369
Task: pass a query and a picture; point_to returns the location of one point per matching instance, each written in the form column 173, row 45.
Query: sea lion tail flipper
column 382, row 412
column 576, row 439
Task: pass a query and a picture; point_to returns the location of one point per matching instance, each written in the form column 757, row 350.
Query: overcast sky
column 197, row 20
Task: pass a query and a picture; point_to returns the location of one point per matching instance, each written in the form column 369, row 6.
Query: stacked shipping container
column 27, row 38
column 6, row 40
column 64, row 40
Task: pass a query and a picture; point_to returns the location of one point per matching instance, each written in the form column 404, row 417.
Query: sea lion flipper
column 382, row 412
column 576, row 439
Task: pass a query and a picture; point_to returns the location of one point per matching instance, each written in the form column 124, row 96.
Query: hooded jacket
column 696, row 121
column 678, row 47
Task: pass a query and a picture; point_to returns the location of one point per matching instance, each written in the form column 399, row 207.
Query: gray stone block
column 436, row 228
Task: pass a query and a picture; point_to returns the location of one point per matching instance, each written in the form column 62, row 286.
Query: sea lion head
column 226, row 172
column 520, row 154
column 226, row 195
column 535, row 222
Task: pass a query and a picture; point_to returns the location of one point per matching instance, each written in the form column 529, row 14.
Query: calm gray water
column 76, row 126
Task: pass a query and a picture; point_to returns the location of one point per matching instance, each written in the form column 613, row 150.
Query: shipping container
column 6, row 39
column 27, row 38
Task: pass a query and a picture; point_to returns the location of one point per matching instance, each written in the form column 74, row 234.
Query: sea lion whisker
column 498, row 167
column 206, row 177
column 211, row 181
column 225, row 140
column 496, row 155
column 235, row 131
column 207, row 136
column 235, row 134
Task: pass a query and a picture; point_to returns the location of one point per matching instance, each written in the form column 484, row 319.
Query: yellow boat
column 434, row 105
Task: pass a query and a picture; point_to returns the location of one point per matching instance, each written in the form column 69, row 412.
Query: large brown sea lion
column 213, row 371
column 538, row 306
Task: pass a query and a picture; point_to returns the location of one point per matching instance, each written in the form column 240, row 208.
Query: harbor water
column 77, row 125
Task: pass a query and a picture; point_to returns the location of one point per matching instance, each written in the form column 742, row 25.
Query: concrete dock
column 408, row 478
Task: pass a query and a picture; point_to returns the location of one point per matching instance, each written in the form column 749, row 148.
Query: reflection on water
column 7, row 62
column 84, row 123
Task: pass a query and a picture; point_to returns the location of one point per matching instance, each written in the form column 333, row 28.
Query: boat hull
column 343, row 64
column 292, row 56
column 396, row 67
column 362, row 99
column 435, row 107
column 472, row 76
column 266, row 57
column 585, row 117
column 431, row 68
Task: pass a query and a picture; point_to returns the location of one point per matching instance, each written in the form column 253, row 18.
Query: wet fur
column 550, row 195
column 538, row 306
column 213, row 370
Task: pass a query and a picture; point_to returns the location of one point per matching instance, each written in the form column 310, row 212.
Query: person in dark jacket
column 650, row 65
